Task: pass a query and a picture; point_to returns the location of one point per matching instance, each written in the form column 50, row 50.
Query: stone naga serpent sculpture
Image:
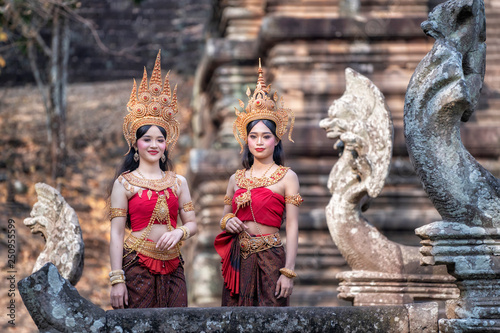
column 362, row 124
column 58, row 223
column 442, row 93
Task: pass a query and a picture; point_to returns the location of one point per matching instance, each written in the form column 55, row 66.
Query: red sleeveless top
column 141, row 208
column 267, row 206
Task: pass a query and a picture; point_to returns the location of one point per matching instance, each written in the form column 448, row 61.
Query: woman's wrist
column 224, row 220
column 289, row 273
column 185, row 232
column 116, row 276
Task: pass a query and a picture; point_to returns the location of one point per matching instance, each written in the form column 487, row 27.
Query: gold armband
column 228, row 200
column 288, row 273
column 294, row 199
column 188, row 206
column 117, row 212
column 186, row 232
column 224, row 220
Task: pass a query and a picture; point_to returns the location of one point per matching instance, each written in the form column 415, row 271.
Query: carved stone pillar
column 384, row 272
column 443, row 92
column 472, row 255
column 365, row 288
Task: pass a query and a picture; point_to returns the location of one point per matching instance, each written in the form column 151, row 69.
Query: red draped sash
column 268, row 208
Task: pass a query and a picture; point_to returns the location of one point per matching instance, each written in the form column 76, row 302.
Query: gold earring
column 163, row 158
column 136, row 156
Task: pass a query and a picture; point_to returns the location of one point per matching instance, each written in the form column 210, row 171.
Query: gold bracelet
column 188, row 206
column 288, row 272
column 228, row 200
column 117, row 212
column 117, row 281
column 116, row 272
column 225, row 219
column 117, row 277
column 186, row 232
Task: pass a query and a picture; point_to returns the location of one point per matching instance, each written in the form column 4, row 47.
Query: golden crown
column 261, row 106
column 152, row 105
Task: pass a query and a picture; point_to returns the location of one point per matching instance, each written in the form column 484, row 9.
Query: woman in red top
column 147, row 268
column 257, row 270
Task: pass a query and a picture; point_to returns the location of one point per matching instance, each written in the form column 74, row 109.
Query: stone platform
column 55, row 306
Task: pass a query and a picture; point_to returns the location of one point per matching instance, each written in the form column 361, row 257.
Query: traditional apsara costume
column 251, row 263
column 154, row 278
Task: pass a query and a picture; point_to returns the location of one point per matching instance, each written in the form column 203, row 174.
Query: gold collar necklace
column 251, row 169
column 168, row 180
column 140, row 174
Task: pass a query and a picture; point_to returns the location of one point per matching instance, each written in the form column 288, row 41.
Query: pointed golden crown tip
column 152, row 105
column 261, row 106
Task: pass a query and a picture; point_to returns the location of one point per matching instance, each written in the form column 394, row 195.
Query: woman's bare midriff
column 264, row 229
column 157, row 231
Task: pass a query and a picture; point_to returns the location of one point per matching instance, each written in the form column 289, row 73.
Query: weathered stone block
column 56, row 306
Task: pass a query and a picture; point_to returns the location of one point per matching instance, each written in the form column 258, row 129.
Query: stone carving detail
column 443, row 91
column 361, row 123
column 58, row 223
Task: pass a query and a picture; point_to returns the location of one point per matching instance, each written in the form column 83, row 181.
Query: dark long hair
column 278, row 154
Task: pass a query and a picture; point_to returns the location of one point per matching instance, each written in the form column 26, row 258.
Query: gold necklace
column 255, row 181
column 140, row 174
column 150, row 183
column 251, row 169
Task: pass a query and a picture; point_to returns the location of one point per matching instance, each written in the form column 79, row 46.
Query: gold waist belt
column 149, row 249
column 249, row 244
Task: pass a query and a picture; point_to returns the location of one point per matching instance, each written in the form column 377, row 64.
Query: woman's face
column 151, row 145
column 261, row 141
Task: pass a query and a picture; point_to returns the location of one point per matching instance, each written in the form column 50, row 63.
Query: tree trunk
column 57, row 93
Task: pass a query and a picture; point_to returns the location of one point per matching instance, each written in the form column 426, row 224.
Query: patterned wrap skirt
column 147, row 290
column 259, row 274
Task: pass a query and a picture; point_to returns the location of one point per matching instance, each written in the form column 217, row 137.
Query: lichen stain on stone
column 54, row 280
column 116, row 329
column 58, row 311
column 215, row 324
column 484, row 263
column 70, row 322
column 175, row 322
column 142, row 327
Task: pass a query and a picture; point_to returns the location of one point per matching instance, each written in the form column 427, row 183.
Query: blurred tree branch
column 42, row 28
